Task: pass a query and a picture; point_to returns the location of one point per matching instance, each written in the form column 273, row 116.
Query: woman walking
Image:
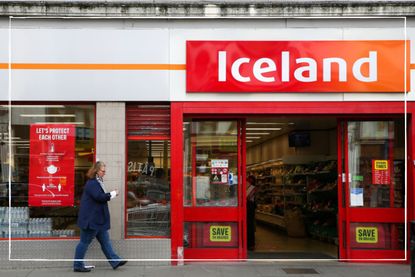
column 94, row 219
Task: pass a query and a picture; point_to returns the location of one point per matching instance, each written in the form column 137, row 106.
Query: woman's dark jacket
column 93, row 212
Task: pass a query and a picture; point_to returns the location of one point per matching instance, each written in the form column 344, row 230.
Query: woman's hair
column 92, row 172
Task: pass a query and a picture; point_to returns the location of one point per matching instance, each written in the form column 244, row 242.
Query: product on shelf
column 301, row 198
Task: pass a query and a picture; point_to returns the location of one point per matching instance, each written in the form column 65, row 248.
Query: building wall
column 192, row 8
column 132, row 41
column 110, row 145
column 161, row 43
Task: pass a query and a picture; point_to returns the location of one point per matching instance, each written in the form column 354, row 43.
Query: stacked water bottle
column 21, row 226
column 3, row 222
column 19, row 217
column 63, row 233
column 40, row 227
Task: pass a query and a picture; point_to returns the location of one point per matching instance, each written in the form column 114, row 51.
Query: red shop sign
column 51, row 165
column 296, row 66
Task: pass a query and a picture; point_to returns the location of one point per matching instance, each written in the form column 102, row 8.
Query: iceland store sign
column 296, row 66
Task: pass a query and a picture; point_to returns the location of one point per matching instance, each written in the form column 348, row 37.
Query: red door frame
column 348, row 214
column 243, row 109
column 221, row 214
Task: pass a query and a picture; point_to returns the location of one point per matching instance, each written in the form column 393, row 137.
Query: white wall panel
column 374, row 33
column 89, row 46
column 4, row 45
column 4, row 85
column 410, row 33
column 411, row 94
column 89, row 85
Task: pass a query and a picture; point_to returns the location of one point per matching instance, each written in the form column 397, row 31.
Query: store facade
column 167, row 105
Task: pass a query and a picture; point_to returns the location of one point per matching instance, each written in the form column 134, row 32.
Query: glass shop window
column 45, row 156
column 148, row 188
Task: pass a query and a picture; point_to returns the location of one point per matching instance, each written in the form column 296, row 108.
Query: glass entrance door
column 373, row 192
column 212, row 189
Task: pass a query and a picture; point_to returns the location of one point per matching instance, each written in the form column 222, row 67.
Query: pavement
column 237, row 269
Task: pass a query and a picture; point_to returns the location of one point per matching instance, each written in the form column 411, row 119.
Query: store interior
column 294, row 164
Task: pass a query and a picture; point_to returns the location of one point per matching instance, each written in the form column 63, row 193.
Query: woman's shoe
column 82, row 269
column 121, row 263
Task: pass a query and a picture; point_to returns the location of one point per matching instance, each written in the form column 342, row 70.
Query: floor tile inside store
column 275, row 244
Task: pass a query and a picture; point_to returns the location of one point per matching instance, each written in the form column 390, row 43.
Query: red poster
column 52, row 161
column 381, row 172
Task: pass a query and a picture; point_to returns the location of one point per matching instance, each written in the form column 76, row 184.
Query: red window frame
column 348, row 214
column 142, row 138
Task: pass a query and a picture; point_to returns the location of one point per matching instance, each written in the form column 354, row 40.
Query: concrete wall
column 207, row 8
column 110, row 148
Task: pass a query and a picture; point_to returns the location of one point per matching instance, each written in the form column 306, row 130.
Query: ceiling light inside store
column 265, row 123
column 253, row 137
column 264, row 129
column 47, row 115
column 12, row 138
column 153, row 115
column 152, row 106
column 258, row 134
column 214, row 143
column 33, row 106
column 158, row 145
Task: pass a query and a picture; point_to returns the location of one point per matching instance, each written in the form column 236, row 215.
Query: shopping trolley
column 150, row 220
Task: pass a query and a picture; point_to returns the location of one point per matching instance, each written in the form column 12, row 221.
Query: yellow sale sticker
column 381, row 164
column 367, row 235
column 220, row 233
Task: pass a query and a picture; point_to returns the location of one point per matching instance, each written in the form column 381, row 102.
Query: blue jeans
column 87, row 235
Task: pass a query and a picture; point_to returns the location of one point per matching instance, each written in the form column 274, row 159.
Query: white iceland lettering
column 259, row 69
column 265, row 69
column 327, row 69
column 236, row 70
column 285, row 66
column 311, row 68
column 222, row 66
column 373, row 68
